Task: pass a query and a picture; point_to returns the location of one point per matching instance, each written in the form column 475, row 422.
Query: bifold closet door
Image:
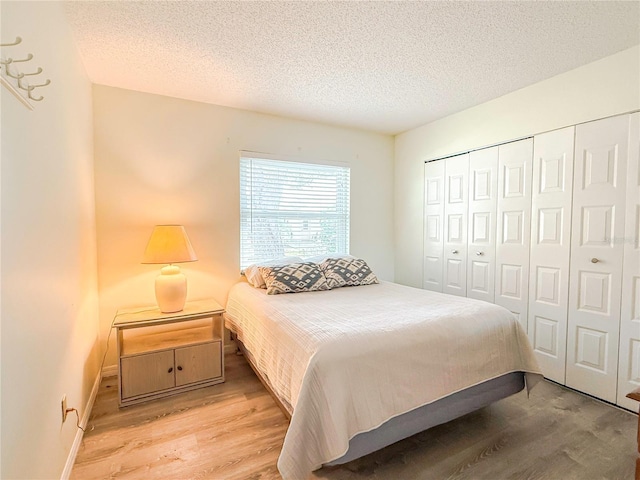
column 550, row 249
column 629, row 365
column 456, row 188
column 597, row 245
column 433, row 225
column 483, row 183
column 514, row 223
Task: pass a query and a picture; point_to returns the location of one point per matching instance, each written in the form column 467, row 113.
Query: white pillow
column 253, row 275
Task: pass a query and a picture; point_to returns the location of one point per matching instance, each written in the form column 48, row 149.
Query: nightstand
column 162, row 354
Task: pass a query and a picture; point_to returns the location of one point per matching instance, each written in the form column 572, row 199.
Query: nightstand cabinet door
column 147, row 373
column 198, row 363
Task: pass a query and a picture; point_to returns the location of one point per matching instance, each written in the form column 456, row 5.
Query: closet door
column 597, row 234
column 550, row 249
column 433, row 225
column 483, row 183
column 455, row 224
column 514, row 222
column 629, row 366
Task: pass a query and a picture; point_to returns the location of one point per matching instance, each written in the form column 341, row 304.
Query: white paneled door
column 433, row 225
column 629, row 365
column 483, row 183
column 597, row 245
column 550, row 249
column 455, row 224
column 514, row 221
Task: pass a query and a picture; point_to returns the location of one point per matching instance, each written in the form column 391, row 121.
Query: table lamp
column 170, row 244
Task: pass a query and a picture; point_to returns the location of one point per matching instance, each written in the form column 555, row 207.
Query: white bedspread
column 349, row 359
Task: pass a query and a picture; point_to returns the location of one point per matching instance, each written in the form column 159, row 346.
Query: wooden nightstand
column 162, row 354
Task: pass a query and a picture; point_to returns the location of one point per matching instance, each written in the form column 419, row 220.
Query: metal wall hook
column 29, row 58
column 37, row 72
column 31, row 87
column 17, row 41
column 7, row 61
column 31, row 97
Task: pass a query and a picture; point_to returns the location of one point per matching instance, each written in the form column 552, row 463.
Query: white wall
column 49, row 280
column 603, row 88
column 166, row 160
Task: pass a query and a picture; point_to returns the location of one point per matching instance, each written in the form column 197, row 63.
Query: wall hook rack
column 16, row 81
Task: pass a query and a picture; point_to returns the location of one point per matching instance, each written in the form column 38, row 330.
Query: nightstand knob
column 179, row 368
column 170, row 370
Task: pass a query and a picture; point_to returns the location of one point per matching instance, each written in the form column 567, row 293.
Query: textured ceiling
column 382, row 66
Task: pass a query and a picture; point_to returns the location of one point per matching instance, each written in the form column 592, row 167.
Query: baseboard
column 110, row 371
column 71, row 459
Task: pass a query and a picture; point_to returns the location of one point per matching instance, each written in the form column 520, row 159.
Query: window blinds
column 292, row 209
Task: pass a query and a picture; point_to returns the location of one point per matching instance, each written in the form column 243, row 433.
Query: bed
column 359, row 368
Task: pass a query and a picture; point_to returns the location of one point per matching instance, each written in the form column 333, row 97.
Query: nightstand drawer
column 147, row 373
column 198, row 363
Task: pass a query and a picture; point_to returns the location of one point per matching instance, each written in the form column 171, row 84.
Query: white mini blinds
column 290, row 208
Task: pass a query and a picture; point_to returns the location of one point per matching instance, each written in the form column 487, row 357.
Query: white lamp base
column 171, row 289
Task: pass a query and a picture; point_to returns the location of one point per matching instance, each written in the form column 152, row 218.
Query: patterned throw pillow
column 253, row 275
column 294, row 278
column 347, row 272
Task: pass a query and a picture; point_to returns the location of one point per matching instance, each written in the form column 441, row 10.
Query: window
column 290, row 208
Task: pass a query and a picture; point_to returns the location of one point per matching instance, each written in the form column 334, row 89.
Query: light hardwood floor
column 235, row 431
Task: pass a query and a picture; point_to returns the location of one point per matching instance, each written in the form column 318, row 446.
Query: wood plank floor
column 235, row 431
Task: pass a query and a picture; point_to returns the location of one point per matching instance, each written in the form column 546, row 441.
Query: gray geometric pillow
column 347, row 272
column 294, row 278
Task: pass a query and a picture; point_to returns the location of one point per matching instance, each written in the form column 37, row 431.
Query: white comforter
column 349, row 359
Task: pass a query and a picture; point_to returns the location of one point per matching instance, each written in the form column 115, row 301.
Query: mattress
column 349, row 360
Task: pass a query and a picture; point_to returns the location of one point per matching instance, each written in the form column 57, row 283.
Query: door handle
column 455, row 252
column 594, row 260
column 479, row 254
column 179, row 368
column 170, row 370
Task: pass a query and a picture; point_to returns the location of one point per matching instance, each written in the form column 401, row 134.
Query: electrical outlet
column 64, row 408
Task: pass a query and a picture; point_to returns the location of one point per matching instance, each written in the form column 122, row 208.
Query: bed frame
column 417, row 420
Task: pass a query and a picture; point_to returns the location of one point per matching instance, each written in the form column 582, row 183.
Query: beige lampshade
column 169, row 244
